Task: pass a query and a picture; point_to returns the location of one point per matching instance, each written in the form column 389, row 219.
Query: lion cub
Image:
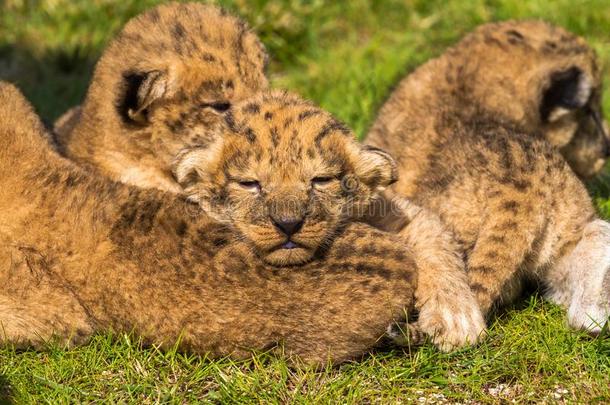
column 194, row 126
column 162, row 83
column 530, row 73
column 287, row 177
column 81, row 255
column 464, row 129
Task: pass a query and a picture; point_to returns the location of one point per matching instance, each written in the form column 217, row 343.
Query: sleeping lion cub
column 477, row 135
column 81, row 255
column 162, row 83
column 286, row 177
column 133, row 131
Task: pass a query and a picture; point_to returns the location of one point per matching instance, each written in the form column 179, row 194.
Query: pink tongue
column 289, row 245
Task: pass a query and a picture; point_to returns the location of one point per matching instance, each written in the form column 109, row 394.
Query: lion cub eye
column 221, row 107
column 321, row 180
column 250, row 185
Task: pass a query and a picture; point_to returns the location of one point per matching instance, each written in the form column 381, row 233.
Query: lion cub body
column 81, row 255
column 483, row 163
column 162, row 83
column 446, row 317
column 286, row 176
column 536, row 76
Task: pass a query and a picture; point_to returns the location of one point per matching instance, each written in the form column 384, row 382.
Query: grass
column 346, row 58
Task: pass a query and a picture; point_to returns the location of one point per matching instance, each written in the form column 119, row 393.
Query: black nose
column 288, row 226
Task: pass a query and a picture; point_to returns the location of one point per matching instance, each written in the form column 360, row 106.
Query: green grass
column 345, row 58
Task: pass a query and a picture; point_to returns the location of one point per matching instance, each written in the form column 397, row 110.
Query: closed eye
column 220, row 107
column 250, row 185
column 322, row 180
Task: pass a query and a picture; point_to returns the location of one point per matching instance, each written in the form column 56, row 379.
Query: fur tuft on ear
column 375, row 167
column 193, row 165
column 140, row 91
column 568, row 90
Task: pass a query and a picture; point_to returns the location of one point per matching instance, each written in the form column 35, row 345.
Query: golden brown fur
column 479, row 162
column 286, row 177
column 162, row 83
column 81, row 255
column 538, row 76
column 284, row 172
column 445, row 314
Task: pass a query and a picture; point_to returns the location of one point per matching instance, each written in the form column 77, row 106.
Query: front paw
column 590, row 314
column 405, row 334
column 452, row 325
column 590, row 305
column 591, row 319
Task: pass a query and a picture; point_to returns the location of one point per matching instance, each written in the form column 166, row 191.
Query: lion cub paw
column 452, row 325
column 405, row 334
column 590, row 309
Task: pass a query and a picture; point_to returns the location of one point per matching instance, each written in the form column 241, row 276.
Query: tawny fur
column 283, row 160
column 451, row 328
column 81, row 255
column 471, row 147
column 162, row 83
column 515, row 70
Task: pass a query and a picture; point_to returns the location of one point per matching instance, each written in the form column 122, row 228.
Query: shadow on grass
column 53, row 81
column 6, row 393
column 531, row 290
column 599, row 187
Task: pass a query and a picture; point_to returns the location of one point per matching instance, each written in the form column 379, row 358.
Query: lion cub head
column 285, row 175
column 544, row 77
column 162, row 84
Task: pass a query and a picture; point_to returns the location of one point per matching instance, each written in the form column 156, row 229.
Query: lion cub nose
column 288, row 226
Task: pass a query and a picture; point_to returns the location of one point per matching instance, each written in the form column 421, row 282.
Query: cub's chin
column 289, row 255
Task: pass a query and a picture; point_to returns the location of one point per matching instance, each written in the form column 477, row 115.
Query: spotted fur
column 284, row 162
column 163, row 82
column 530, row 73
column 81, row 255
column 442, row 310
column 474, row 149
column 303, row 167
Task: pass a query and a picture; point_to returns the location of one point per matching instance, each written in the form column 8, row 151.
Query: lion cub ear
column 375, row 167
column 141, row 90
column 567, row 90
column 194, row 166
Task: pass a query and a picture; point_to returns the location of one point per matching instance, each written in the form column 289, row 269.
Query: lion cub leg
column 580, row 281
column 35, row 308
column 35, row 323
column 511, row 225
column 448, row 310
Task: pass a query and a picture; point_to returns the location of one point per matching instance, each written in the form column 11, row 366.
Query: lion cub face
column 163, row 84
column 572, row 120
column 546, row 78
column 285, row 175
